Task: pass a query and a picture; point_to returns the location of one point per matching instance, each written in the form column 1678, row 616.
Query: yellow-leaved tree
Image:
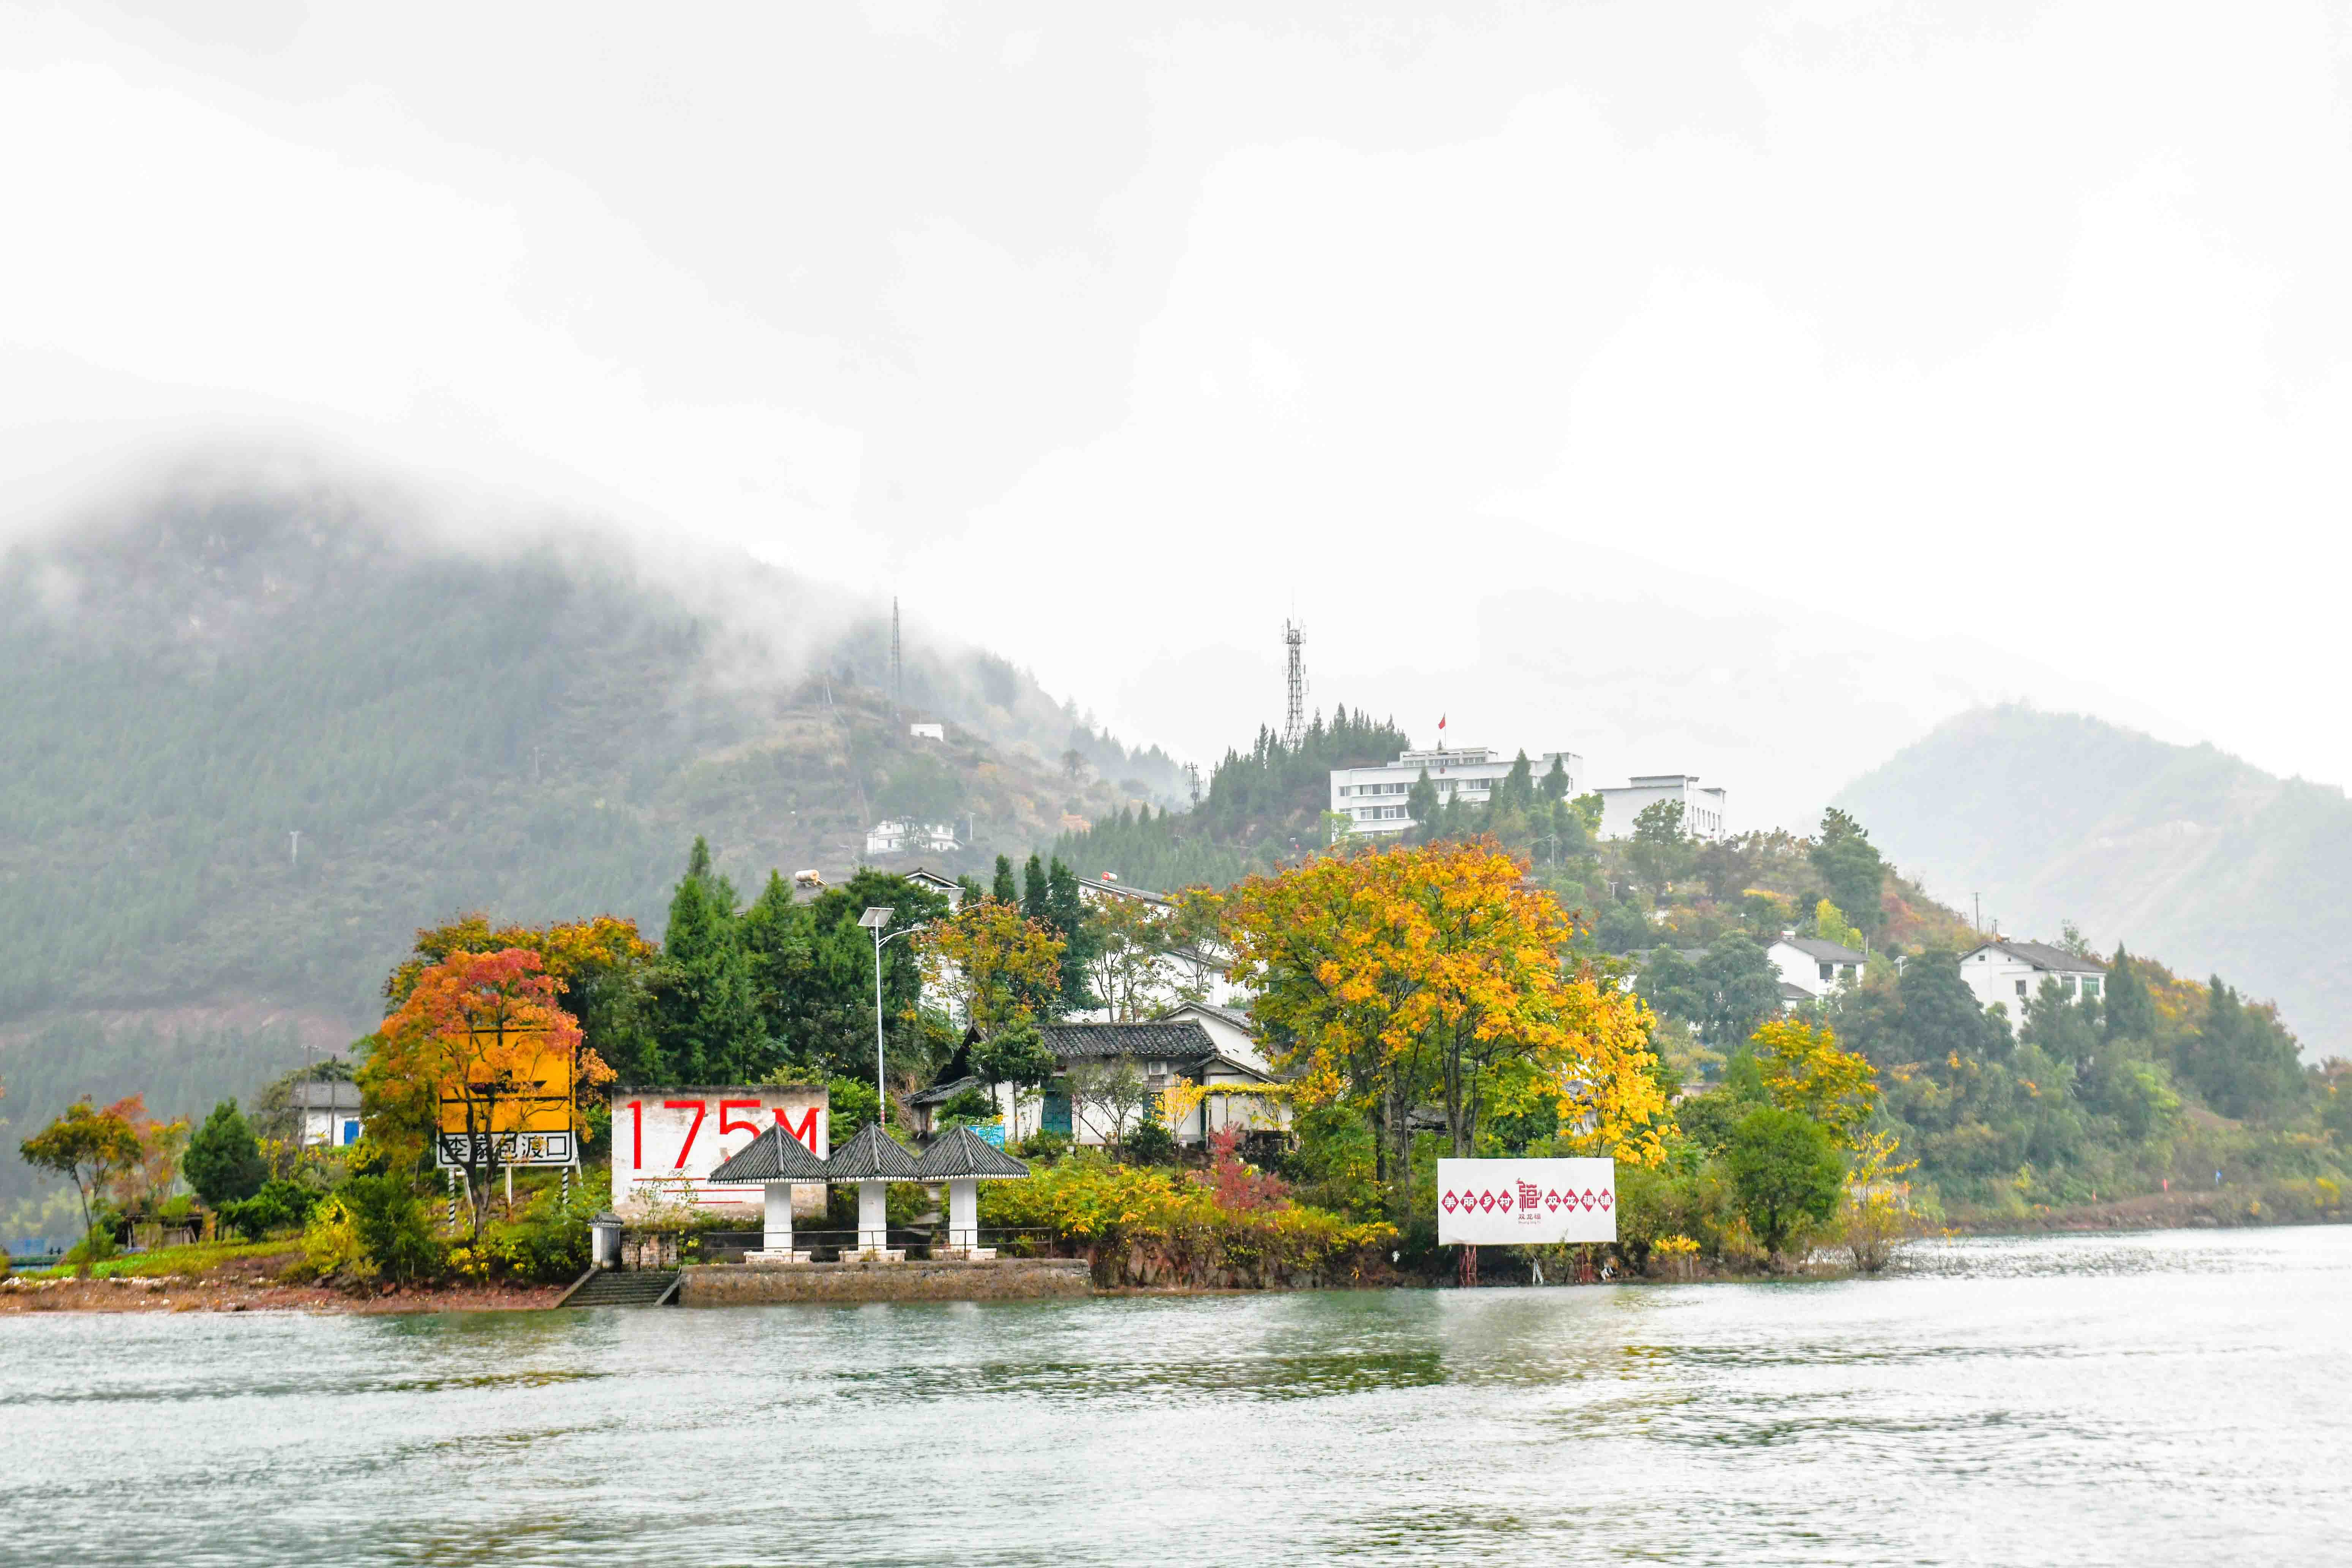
column 1805, row 1070
column 1393, row 976
column 998, row 967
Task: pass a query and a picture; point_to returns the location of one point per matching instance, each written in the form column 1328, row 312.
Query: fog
column 1740, row 391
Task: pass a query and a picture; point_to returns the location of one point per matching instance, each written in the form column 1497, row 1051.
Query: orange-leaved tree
column 998, row 967
column 1805, row 1070
column 142, row 1184
column 600, row 963
column 1397, row 975
column 479, row 1055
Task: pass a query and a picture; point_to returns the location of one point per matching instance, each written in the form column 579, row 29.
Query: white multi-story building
column 1373, row 798
column 2011, row 972
column 1701, row 808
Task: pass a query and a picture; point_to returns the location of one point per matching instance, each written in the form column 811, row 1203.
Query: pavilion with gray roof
column 779, row 1161
column 963, row 1159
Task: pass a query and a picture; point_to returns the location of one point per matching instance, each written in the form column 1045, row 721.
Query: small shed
column 779, row 1161
column 963, row 1159
column 873, row 1160
column 330, row 1113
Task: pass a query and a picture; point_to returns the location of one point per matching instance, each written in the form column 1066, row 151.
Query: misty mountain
column 2183, row 852
column 252, row 734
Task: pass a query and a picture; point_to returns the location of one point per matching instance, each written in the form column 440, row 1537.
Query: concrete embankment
column 1002, row 1280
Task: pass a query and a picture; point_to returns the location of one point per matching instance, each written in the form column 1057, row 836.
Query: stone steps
column 624, row 1288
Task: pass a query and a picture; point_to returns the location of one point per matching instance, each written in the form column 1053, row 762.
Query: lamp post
column 876, row 917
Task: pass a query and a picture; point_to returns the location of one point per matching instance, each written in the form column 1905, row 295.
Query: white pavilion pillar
column 874, row 1217
column 963, row 1215
column 779, row 1229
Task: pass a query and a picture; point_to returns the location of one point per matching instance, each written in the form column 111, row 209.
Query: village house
column 901, row 836
column 2007, row 972
column 1212, row 1047
column 331, row 1114
column 1815, row 966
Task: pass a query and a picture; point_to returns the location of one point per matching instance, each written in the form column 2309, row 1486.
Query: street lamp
column 876, row 917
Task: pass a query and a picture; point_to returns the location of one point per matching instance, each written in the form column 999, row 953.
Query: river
column 2181, row 1397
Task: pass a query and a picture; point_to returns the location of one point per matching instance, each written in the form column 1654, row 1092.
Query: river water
column 2170, row 1398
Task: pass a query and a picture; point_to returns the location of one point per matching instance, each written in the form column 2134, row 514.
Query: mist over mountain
column 2182, row 851
column 257, row 726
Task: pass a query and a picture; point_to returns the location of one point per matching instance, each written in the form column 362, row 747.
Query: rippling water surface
column 2182, row 1398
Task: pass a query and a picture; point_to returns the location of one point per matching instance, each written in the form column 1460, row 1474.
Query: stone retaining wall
column 947, row 1279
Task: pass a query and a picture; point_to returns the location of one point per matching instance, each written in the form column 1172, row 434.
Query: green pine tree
column 1004, row 892
column 1555, row 783
column 705, row 1023
column 1036, row 894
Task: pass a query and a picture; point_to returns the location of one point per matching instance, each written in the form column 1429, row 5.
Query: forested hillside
column 2184, row 851
column 536, row 731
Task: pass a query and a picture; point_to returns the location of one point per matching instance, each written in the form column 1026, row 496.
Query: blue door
column 351, row 1133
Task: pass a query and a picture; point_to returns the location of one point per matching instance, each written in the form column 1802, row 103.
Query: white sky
column 1846, row 364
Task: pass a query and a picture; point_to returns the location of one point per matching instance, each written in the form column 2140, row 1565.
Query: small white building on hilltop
column 897, row 837
column 1814, row 966
column 1373, row 798
column 922, row 730
column 2011, row 971
column 1703, row 815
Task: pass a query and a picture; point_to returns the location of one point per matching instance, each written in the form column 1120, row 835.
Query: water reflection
column 2171, row 1398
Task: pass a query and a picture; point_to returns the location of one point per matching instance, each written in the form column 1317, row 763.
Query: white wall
column 653, row 1159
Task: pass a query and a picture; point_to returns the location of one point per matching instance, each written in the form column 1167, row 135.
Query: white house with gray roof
column 1164, row 1052
column 1815, row 966
column 2009, row 972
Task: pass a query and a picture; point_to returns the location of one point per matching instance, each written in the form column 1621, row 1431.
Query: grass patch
column 174, row 1262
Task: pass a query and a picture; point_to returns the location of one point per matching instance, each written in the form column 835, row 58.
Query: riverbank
column 250, row 1283
column 2183, row 1208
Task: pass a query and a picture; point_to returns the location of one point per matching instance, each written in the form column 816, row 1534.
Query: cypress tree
column 1067, row 913
column 706, row 1022
column 2131, row 1011
column 1004, row 892
column 1037, row 895
column 1421, row 804
column 1555, row 783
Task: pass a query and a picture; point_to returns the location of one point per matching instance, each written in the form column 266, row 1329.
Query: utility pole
column 1977, row 899
column 898, row 671
column 294, row 847
column 1294, row 723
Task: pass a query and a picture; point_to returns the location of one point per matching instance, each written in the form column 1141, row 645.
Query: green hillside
column 2184, row 851
column 535, row 730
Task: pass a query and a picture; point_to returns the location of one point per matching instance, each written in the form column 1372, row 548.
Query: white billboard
column 1507, row 1203
column 666, row 1142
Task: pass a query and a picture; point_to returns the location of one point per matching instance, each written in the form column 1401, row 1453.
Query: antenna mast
column 898, row 671
column 1294, row 724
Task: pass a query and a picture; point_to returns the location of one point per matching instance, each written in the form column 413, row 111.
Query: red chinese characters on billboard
column 666, row 1142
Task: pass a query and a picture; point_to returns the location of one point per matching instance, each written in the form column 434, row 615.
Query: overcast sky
column 1107, row 344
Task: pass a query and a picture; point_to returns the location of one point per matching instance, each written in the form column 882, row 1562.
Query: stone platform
column 942, row 1279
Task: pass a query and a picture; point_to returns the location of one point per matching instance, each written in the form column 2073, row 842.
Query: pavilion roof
column 959, row 1152
column 775, row 1155
column 872, row 1156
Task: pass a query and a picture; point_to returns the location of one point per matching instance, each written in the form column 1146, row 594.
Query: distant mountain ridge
column 190, row 678
column 2182, row 851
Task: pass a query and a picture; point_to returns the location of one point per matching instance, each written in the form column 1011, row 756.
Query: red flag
column 1441, row 720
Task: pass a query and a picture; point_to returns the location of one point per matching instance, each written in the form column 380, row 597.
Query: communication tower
column 1294, row 723
column 898, row 671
